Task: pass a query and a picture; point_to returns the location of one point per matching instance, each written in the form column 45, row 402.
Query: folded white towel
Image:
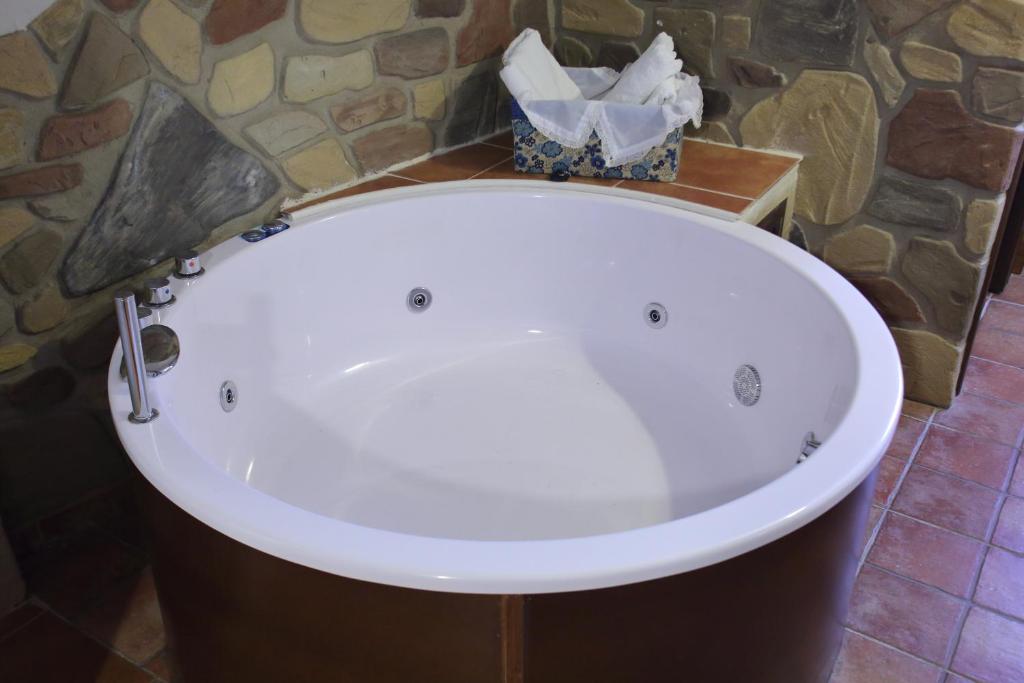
column 668, row 90
column 593, row 82
column 531, row 73
column 639, row 79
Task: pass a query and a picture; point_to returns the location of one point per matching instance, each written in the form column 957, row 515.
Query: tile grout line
column 892, row 647
column 891, row 498
column 32, row 600
column 77, row 629
column 489, row 168
column 749, row 200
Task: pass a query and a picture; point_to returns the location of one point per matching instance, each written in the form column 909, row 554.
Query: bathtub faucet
column 135, row 364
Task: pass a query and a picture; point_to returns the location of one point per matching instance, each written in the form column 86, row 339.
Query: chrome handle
column 158, row 292
column 135, row 364
column 188, row 265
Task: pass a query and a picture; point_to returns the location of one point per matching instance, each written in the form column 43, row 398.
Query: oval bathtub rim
column 165, row 459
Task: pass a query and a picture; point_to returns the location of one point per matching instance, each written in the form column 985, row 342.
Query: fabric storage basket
column 536, row 153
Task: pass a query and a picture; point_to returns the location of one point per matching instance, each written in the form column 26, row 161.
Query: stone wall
column 905, row 111
column 133, row 129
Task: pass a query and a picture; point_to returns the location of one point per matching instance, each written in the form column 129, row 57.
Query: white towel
column 532, row 73
column 627, row 131
column 593, row 82
column 668, row 90
column 642, row 77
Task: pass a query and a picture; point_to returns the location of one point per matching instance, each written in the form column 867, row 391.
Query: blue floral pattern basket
column 537, row 153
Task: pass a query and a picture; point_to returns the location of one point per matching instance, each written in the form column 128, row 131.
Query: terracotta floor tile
column 987, row 417
column 386, row 182
column 946, row 501
column 889, row 471
column 713, row 167
column 459, row 164
column 931, row 555
column 1017, row 483
column 162, row 666
column 874, row 514
column 863, row 660
column 70, row 579
column 1014, row 290
column 953, row 678
column 49, row 651
column 501, row 139
column 995, row 380
column 128, row 619
column 1010, row 528
column 1001, row 585
column 907, row 615
column 690, row 194
column 1001, row 315
column 921, row 411
column 965, row 455
column 990, row 648
column 18, row 618
column 908, row 432
column 999, row 346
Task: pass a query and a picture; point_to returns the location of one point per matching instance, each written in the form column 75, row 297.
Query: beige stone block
column 885, row 72
column 24, row 68
column 13, row 222
column 285, row 131
column 319, row 167
column 57, row 25
column 311, row 77
column 864, row 249
column 15, row 355
column 12, row 141
column 342, row 21
column 173, row 37
column 240, row 83
column 930, row 63
column 981, row 224
column 989, row 28
column 45, row 312
column 429, row 100
column 831, row 118
column 949, row 281
column 736, row 32
column 607, row 17
column 931, row 365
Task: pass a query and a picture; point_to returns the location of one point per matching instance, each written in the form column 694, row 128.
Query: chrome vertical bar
column 131, row 346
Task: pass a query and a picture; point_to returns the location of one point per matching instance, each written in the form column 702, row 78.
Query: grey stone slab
column 178, row 180
column 809, row 31
column 909, row 203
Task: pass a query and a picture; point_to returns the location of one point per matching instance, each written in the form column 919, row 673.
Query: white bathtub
column 529, row 432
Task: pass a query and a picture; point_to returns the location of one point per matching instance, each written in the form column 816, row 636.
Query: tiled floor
column 939, row 597
column 940, row 594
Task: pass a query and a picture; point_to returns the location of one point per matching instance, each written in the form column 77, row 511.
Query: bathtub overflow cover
column 228, row 396
column 656, row 316
column 419, row 300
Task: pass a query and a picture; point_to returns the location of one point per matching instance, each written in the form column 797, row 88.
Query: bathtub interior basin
column 533, row 427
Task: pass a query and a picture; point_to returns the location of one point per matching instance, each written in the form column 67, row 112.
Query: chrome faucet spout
column 135, row 364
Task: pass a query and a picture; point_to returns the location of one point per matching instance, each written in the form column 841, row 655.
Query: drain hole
column 746, row 384
column 419, row 300
column 655, row 315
